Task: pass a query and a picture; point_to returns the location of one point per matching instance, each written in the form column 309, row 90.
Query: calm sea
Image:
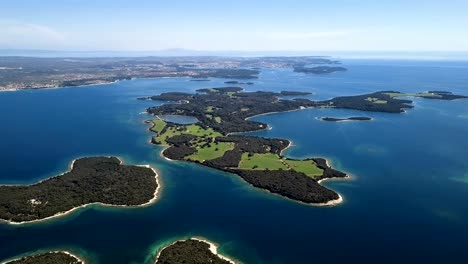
column 406, row 202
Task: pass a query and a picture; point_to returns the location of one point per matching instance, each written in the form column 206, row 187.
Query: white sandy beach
column 289, row 146
column 332, row 202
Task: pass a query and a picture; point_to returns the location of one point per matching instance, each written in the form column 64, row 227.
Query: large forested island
column 56, row 257
column 191, row 251
column 101, row 180
column 259, row 161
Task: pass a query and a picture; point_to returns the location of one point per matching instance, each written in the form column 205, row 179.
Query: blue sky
column 144, row 25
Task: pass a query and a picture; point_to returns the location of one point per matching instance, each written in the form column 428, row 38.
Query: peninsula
column 191, row 251
column 55, row 257
column 259, row 161
column 101, row 180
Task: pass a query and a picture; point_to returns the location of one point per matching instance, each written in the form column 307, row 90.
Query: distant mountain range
column 429, row 55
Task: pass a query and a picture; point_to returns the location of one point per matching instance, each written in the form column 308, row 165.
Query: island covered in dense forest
column 102, row 180
column 55, row 257
column 191, row 251
column 259, row 161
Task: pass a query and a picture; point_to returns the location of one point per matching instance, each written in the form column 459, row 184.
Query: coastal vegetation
column 91, row 180
column 376, row 100
column 158, row 125
column 271, row 161
column 210, row 151
column 191, row 251
column 428, row 95
column 169, row 131
column 57, row 257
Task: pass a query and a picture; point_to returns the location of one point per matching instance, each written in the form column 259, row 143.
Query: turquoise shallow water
column 405, row 203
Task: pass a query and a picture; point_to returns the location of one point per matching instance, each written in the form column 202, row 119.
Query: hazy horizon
column 176, row 52
column 244, row 26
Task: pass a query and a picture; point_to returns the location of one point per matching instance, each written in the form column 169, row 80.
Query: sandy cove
column 289, row 146
column 213, row 249
column 340, row 198
column 57, row 215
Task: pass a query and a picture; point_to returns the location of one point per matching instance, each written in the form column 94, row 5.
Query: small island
column 55, row 257
column 191, row 251
column 354, row 118
column 319, row 69
column 92, row 180
column 237, row 82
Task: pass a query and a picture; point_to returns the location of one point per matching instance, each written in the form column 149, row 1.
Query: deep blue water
column 406, row 202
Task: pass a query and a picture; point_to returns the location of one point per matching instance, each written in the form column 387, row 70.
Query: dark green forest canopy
column 47, row 258
column 233, row 106
column 190, row 252
column 91, row 180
